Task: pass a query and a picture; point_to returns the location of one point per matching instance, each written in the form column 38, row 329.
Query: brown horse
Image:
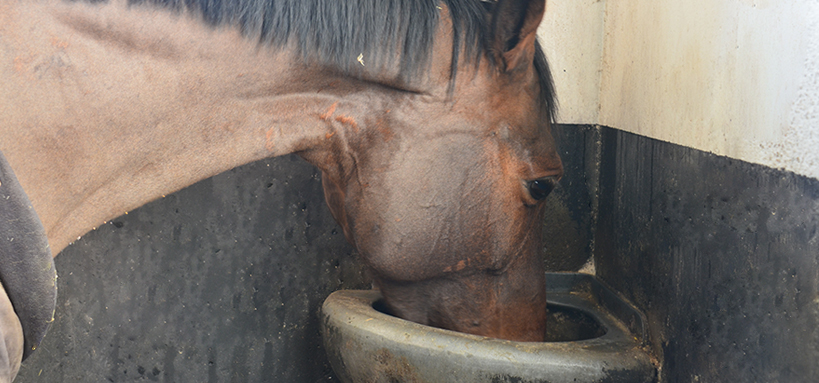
column 430, row 121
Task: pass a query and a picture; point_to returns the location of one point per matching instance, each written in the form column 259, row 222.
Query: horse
column 430, row 121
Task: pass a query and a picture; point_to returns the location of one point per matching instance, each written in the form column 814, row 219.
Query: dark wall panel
column 220, row 282
column 568, row 230
column 721, row 255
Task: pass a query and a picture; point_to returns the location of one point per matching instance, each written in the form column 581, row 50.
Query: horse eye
column 540, row 188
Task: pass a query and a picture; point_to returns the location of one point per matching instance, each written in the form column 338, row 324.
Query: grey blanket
column 26, row 266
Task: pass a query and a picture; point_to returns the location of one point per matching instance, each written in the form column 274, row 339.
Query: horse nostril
column 540, row 188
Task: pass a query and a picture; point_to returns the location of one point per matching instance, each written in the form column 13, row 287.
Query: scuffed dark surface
column 567, row 229
column 220, row 282
column 721, row 256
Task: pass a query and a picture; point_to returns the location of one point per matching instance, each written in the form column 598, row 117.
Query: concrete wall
column 706, row 217
column 735, row 78
column 571, row 35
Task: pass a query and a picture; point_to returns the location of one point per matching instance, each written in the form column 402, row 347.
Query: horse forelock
column 360, row 36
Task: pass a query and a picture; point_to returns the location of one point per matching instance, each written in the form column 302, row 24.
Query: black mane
column 336, row 32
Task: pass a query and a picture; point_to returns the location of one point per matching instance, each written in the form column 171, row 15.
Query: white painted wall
column 738, row 78
column 571, row 35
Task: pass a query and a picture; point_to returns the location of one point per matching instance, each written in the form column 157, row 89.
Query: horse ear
column 513, row 31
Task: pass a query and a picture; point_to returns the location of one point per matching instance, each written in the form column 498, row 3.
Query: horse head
column 440, row 187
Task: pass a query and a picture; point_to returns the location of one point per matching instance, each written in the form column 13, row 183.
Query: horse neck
column 101, row 116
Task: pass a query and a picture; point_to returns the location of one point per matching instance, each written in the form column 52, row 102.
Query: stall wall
column 701, row 142
column 734, row 78
column 219, row 282
column 721, row 255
